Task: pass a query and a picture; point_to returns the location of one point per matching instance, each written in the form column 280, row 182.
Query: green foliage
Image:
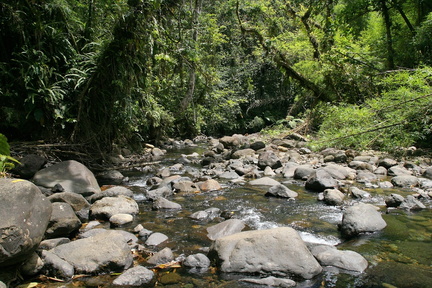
column 6, row 161
column 400, row 117
column 4, row 145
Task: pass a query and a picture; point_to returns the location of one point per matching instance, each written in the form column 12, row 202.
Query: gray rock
column 63, row 221
column 380, row 171
column 257, row 145
column 111, row 192
column 398, row 171
column 271, row 281
column 269, row 158
column 333, row 197
column 106, row 207
column 127, row 237
column 387, row 163
column 281, row 191
column 320, row 180
column 340, row 172
column 360, row 165
column 394, row 200
column 364, row 176
column 288, row 169
column 136, row 276
column 361, row 218
column 71, row 175
column 32, row 265
column 345, row 259
column 29, row 165
column 163, row 191
column 110, row 177
column 428, row 173
column 207, row 214
column 405, row 181
column 231, row 141
column 264, row 181
column 24, row 217
column 411, row 203
column 243, row 153
column 358, row 193
column 303, row 172
column 225, row 228
column 185, row 186
column 164, row 256
column 210, row 185
column 121, row 219
column 49, row 244
column 57, row 267
column 162, row 203
column 156, row 239
column 229, row 175
column 198, row 260
column 103, row 252
column 277, row 251
column 78, row 203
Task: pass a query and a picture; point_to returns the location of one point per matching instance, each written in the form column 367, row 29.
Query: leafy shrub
column 6, row 161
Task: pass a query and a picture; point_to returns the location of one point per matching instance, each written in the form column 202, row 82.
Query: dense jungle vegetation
column 357, row 73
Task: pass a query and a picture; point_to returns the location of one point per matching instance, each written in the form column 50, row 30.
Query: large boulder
column 71, row 175
column 101, row 253
column 361, row 218
column 320, row 180
column 29, row 165
column 109, row 206
column 277, row 251
column 24, row 217
column 345, row 259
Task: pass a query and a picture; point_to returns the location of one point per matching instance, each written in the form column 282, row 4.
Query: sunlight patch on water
column 254, row 219
column 319, row 239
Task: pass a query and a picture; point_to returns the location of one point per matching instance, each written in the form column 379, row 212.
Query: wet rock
column 198, row 260
column 225, row 228
column 269, row 158
column 276, row 251
column 162, row 203
column 405, row 181
column 121, row 219
column 71, row 175
column 111, row 177
column 320, row 180
column 380, row 171
column 111, row 192
column 55, row 266
column 271, row 281
column 385, row 185
column 264, row 181
column 164, row 256
column 361, row 218
column 345, row 259
column 228, row 175
column 281, row 191
column 411, row 203
column 333, row 197
column 303, row 172
column 24, row 217
column 210, row 185
column 170, row 279
column 63, row 221
column 398, row 171
column 103, row 252
column 156, row 239
column 394, row 200
column 78, row 203
column 136, row 276
column 157, row 153
column 109, row 206
column 358, row 193
column 29, row 165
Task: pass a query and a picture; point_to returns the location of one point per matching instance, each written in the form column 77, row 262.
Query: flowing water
column 398, row 256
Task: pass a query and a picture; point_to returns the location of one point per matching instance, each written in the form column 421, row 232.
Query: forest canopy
column 357, row 73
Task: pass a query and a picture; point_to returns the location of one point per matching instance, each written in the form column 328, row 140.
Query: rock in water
column 361, row 218
column 24, row 217
column 276, row 251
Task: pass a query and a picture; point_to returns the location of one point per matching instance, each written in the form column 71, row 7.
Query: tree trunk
column 389, row 39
